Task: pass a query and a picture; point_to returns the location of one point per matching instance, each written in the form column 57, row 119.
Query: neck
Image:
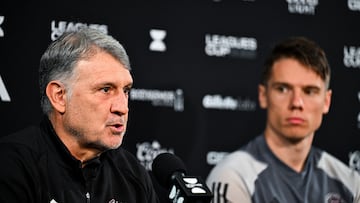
column 73, row 143
column 292, row 153
column 81, row 153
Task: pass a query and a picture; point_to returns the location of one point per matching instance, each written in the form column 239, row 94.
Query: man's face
column 295, row 98
column 97, row 109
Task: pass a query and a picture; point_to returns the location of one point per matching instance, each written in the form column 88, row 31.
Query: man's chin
column 105, row 146
column 116, row 143
column 294, row 139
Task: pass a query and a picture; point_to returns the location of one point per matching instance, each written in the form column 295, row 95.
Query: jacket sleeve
column 233, row 179
column 227, row 186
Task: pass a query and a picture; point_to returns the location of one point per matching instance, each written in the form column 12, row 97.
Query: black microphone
column 170, row 172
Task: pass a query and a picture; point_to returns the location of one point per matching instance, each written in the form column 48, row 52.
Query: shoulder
column 237, row 168
column 247, row 160
column 22, row 135
column 332, row 165
column 24, row 142
column 239, row 163
column 20, row 155
column 336, row 169
column 234, row 177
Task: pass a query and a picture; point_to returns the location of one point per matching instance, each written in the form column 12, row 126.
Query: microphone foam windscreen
column 165, row 165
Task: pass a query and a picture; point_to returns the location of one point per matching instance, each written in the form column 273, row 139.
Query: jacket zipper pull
column 87, row 197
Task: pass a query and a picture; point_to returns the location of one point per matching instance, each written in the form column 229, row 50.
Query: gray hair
column 61, row 57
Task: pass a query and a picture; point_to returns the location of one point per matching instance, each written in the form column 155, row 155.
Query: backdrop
column 196, row 67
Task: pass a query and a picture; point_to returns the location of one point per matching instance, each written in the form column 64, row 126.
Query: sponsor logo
column 157, row 44
column 146, row 152
column 354, row 160
column 1, row 30
column 4, row 95
column 228, row 103
column 352, row 57
column 354, row 5
column 305, row 7
column 58, row 28
column 220, row 191
column 213, row 157
column 166, row 98
column 237, row 47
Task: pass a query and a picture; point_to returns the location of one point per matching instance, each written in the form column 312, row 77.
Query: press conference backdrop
column 196, row 66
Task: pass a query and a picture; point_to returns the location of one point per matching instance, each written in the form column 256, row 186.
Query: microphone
column 170, row 172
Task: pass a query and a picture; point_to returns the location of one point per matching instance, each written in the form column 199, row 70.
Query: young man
column 74, row 155
column 281, row 165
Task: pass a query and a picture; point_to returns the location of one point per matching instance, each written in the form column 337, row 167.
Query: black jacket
column 38, row 168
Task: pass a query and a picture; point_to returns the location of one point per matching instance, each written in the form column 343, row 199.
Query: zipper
column 87, row 195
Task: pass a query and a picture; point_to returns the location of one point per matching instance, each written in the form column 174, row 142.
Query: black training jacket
column 38, row 168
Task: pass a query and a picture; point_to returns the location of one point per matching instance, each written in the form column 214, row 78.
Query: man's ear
column 327, row 101
column 55, row 91
column 262, row 96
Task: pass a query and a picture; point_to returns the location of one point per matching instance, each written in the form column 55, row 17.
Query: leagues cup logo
column 304, row 7
column 58, row 28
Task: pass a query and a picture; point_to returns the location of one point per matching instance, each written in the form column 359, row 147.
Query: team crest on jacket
column 334, row 198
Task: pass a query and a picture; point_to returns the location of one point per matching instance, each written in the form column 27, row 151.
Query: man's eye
column 282, row 88
column 127, row 91
column 311, row 91
column 105, row 89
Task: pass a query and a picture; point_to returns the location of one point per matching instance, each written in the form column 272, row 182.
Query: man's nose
column 120, row 104
column 297, row 101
